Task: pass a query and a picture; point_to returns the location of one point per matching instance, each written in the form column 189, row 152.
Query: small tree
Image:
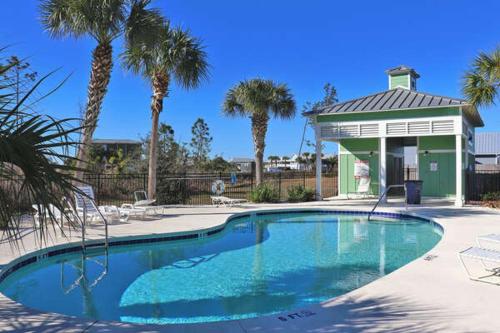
column 20, row 78
column 200, row 143
column 219, row 164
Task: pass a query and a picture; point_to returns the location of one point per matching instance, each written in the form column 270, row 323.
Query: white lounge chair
column 486, row 239
column 142, row 200
column 363, row 187
column 86, row 204
column 225, row 201
column 53, row 213
column 490, row 259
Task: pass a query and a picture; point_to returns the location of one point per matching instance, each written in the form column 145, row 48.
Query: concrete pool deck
column 423, row 296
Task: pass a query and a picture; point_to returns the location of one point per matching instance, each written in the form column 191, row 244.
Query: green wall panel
column 359, row 145
column 436, row 142
column 440, row 183
column 398, row 80
column 386, row 115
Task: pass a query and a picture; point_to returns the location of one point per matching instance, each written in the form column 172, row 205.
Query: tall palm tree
column 259, row 100
column 175, row 55
column 104, row 21
column 482, row 81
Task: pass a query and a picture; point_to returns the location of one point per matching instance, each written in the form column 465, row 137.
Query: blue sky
column 302, row 43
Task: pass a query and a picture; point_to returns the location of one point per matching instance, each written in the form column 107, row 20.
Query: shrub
column 171, row 191
column 264, row 193
column 491, row 196
column 299, row 193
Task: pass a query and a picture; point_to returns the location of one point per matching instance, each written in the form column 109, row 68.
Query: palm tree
column 259, row 99
column 174, row 55
column 104, row 21
column 482, row 81
column 273, row 159
column 286, row 161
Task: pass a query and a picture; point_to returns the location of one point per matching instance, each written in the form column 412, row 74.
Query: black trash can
column 413, row 191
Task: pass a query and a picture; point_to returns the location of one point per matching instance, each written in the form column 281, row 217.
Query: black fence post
column 144, row 180
column 186, row 193
column 98, row 194
column 251, row 181
column 279, row 184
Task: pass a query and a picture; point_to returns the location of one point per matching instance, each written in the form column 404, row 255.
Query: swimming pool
column 259, row 264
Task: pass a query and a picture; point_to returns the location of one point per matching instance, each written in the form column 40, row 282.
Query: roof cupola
column 402, row 77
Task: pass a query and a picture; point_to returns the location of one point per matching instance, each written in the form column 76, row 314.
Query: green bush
column 299, row 193
column 264, row 193
column 491, row 196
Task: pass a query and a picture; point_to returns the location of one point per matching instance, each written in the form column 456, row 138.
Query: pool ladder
column 385, row 195
column 82, row 279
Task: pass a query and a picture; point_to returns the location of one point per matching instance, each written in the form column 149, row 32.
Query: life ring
column 218, row 187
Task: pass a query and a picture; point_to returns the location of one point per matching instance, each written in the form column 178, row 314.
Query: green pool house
column 373, row 131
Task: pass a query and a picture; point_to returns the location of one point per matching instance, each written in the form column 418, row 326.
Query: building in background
column 487, row 151
column 111, row 146
column 373, row 132
column 244, row 164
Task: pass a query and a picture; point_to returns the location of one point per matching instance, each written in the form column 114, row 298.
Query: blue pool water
column 259, row 265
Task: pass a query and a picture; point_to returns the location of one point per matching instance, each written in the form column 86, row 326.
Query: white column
column 382, row 167
column 459, row 171
column 338, row 168
column 318, row 168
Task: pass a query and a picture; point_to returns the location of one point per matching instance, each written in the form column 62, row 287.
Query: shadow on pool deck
column 384, row 314
column 16, row 318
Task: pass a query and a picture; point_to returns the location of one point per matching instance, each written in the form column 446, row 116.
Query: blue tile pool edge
column 55, row 250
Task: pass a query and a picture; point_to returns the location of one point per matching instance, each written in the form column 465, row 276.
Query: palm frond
column 260, row 96
column 143, row 25
column 482, row 81
column 101, row 19
column 174, row 53
column 35, row 165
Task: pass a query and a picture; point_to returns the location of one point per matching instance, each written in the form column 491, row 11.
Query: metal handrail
column 83, row 222
column 385, row 194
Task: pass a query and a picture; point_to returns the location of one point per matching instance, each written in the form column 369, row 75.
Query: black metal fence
column 410, row 174
column 196, row 189
column 481, row 182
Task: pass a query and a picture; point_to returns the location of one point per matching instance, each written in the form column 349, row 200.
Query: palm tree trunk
column 160, row 86
column 102, row 64
column 259, row 130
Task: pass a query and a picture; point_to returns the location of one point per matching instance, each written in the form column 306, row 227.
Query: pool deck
column 424, row 296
